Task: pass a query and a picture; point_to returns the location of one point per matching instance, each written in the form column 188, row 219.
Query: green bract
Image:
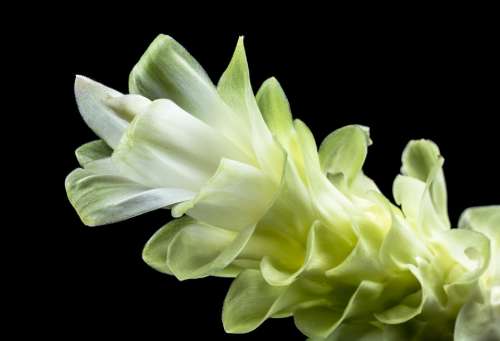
column 305, row 233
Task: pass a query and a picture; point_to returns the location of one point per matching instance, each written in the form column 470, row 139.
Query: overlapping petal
column 304, row 232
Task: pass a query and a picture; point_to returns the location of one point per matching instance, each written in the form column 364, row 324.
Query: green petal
column 167, row 70
column 104, row 198
column 324, row 250
column 249, row 302
column 237, row 196
column 92, row 99
column 156, row 249
column 167, row 147
column 278, row 271
column 92, row 151
column 344, row 151
column 235, row 89
column 275, row 109
column 322, row 321
column 199, row 250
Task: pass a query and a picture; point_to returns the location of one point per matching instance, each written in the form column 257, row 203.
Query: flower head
column 304, row 231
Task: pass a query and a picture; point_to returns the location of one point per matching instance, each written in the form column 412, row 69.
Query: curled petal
column 107, row 198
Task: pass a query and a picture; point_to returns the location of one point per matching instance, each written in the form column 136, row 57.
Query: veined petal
column 108, row 122
column 103, row 198
column 167, row 70
column 167, row 147
column 237, row 196
column 235, row 89
column 92, row 151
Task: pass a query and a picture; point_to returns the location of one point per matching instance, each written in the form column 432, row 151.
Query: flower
column 304, row 231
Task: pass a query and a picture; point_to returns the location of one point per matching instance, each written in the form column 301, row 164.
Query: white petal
column 91, row 97
column 167, row 147
column 237, row 196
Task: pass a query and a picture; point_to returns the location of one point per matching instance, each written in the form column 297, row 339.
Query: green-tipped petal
column 103, row 198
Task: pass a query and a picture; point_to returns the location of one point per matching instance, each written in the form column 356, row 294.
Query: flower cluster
column 304, row 232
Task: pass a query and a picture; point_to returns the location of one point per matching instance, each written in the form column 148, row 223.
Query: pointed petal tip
column 271, row 81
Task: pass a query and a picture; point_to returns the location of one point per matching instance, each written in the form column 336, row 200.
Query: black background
column 433, row 78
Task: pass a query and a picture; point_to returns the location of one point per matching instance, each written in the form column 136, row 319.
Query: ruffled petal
column 321, row 321
column 199, row 250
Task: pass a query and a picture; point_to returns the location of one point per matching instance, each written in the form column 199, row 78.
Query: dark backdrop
column 436, row 80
